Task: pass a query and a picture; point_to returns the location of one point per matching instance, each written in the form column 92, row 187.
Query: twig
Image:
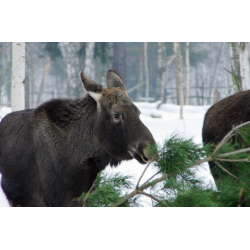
column 153, row 197
column 217, row 163
column 137, row 185
column 231, row 160
column 244, row 150
column 229, row 135
column 152, row 177
column 240, row 194
column 88, row 194
column 152, row 160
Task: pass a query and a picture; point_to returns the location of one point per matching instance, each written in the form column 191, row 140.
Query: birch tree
column 70, row 53
column 240, row 64
column 18, row 76
column 146, row 71
column 244, row 65
column 179, row 77
column 187, row 74
column 161, row 77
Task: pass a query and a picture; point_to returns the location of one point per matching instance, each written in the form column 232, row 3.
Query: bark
column 235, row 62
column 119, row 59
column 244, row 65
column 70, row 53
column 146, row 71
column 18, row 76
column 187, row 74
column 179, row 77
column 161, row 77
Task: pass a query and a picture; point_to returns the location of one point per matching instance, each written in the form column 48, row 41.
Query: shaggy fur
column 223, row 116
column 51, row 154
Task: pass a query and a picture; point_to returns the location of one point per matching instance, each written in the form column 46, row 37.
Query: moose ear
column 113, row 79
column 94, row 89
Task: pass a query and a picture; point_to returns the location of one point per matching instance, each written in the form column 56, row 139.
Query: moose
column 50, row 155
column 222, row 117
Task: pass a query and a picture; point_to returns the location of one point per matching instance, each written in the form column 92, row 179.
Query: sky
column 167, row 122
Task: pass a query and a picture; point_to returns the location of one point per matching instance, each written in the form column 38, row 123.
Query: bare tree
column 18, row 76
column 187, row 74
column 70, row 53
column 161, row 77
column 179, row 77
column 146, row 71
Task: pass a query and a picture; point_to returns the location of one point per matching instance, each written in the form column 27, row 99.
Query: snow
column 162, row 123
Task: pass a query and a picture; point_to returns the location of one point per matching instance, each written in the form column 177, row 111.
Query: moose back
column 51, row 154
column 223, row 116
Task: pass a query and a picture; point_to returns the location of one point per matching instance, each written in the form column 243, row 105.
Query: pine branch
column 232, row 160
column 228, row 136
column 227, row 171
column 154, row 198
column 244, row 150
column 152, row 183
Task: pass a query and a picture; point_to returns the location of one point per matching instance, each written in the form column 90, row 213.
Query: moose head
column 118, row 123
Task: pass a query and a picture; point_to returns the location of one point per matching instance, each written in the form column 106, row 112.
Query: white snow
column 166, row 124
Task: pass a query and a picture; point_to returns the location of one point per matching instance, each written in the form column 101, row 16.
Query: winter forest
column 173, row 84
column 175, row 73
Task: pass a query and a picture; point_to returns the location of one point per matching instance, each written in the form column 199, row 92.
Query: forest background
column 150, row 70
column 190, row 73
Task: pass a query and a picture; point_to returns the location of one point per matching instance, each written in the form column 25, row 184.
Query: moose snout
column 146, row 156
column 143, row 151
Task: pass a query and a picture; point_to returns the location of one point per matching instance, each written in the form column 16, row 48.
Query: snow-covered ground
column 162, row 123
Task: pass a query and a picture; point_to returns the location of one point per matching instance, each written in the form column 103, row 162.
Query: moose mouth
column 140, row 157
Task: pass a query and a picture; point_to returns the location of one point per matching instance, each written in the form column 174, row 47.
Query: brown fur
column 223, row 116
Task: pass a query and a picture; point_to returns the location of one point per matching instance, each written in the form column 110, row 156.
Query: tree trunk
column 235, row 62
column 146, row 71
column 18, row 76
column 161, row 77
column 216, row 96
column 139, row 74
column 244, row 65
column 5, row 72
column 70, row 52
column 119, row 59
column 179, row 77
column 187, row 74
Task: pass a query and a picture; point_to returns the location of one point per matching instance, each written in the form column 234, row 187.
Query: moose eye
column 117, row 117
